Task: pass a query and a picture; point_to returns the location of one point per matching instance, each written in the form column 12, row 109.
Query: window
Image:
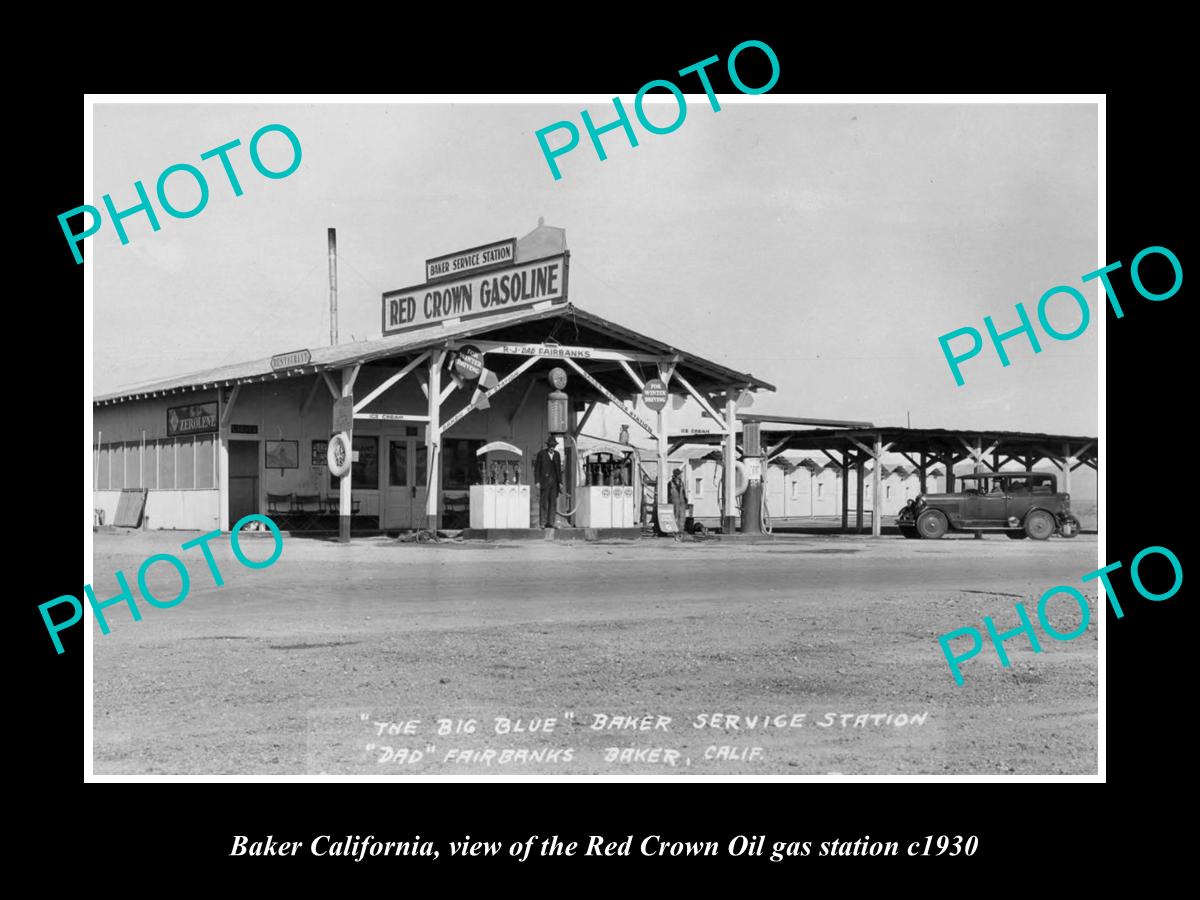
column 398, row 464
column 699, row 492
column 398, row 474
column 102, row 468
column 150, row 465
column 185, row 464
column 116, row 467
column 364, row 474
column 205, row 462
column 820, row 490
column 795, row 488
column 887, row 492
column 460, row 465
column 166, row 465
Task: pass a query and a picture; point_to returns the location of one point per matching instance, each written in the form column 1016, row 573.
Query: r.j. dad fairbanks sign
column 496, row 290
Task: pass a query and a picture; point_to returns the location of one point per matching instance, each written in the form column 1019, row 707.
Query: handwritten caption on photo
column 1026, row 626
column 622, row 120
column 145, row 206
column 359, row 847
column 448, row 744
column 1026, row 327
column 185, row 581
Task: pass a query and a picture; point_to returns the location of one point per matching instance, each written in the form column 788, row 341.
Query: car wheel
column 1016, row 535
column 932, row 524
column 910, row 533
column 1039, row 525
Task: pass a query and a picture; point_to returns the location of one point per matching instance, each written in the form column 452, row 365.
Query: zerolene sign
column 499, row 291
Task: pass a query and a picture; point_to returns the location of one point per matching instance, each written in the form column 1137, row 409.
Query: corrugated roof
column 365, row 351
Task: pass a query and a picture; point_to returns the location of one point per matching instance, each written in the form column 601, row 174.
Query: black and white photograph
column 735, row 435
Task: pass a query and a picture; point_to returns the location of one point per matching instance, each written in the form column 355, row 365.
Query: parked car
column 1021, row 504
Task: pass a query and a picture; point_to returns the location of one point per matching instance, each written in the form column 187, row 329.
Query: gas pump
column 499, row 500
column 608, row 498
column 754, row 501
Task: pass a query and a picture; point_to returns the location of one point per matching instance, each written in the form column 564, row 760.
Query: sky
column 823, row 248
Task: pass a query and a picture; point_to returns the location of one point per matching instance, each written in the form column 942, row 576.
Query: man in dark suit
column 547, row 471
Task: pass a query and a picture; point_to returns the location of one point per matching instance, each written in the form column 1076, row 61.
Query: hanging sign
column 654, row 394
column 469, row 363
column 474, row 296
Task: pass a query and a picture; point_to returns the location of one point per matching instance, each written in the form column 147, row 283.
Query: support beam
column 633, row 376
column 833, row 459
column 334, row 390
column 845, row 490
column 876, row 489
column 344, row 484
column 391, row 380
column 433, row 441
column 612, row 397
column 520, row 404
column 435, row 391
column 222, row 479
column 728, row 516
column 310, row 397
column 1066, row 468
column 227, row 409
column 701, row 399
column 859, row 460
column 587, row 413
column 660, row 496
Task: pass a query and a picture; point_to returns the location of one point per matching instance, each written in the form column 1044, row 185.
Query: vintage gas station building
column 462, row 364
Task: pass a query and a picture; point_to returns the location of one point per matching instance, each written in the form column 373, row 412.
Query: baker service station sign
column 477, row 294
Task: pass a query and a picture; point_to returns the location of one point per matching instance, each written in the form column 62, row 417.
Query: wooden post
column 876, row 490
column 1066, row 468
column 345, row 497
column 922, row 474
column 978, row 457
column 858, row 491
column 433, row 441
column 223, row 478
column 728, row 515
column 948, row 462
column 845, row 490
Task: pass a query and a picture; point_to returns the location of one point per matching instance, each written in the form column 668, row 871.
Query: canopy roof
column 564, row 324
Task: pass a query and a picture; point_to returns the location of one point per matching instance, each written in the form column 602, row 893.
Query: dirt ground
column 342, row 659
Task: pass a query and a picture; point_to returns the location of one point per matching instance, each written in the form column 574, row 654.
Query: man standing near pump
column 547, row 471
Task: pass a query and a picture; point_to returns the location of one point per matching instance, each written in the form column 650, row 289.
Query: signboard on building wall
column 290, row 360
column 343, row 415
column 198, row 418
column 476, row 296
column 465, row 262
